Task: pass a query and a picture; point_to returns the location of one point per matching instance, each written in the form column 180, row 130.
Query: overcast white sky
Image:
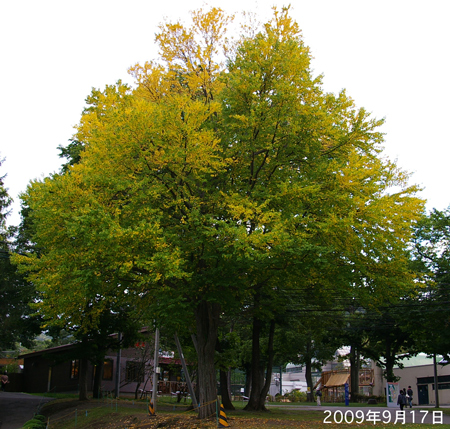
column 392, row 57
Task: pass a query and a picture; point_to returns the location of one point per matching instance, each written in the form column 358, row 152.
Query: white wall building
column 294, row 377
column 418, row 372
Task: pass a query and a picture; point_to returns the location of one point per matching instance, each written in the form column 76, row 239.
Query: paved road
column 376, row 415
column 18, row 408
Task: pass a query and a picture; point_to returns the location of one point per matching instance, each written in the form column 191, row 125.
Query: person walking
column 5, row 381
column 318, row 396
column 401, row 400
column 409, row 393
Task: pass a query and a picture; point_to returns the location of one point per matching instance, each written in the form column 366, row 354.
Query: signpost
column 392, row 390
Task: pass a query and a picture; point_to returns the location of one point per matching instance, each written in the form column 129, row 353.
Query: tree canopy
column 432, row 263
column 18, row 324
column 226, row 178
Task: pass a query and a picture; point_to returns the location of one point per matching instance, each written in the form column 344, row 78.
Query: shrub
column 12, row 368
column 379, row 399
column 34, row 424
column 296, row 396
column 357, row 397
column 40, row 417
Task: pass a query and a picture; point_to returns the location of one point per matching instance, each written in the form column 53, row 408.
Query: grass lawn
column 70, row 413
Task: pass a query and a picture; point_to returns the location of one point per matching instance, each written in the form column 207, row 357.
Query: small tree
column 143, row 361
column 432, row 263
column 19, row 326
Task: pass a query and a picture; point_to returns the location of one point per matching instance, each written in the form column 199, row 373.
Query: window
column 294, row 369
column 442, row 386
column 429, row 380
column 74, row 369
column 108, row 369
column 135, row 371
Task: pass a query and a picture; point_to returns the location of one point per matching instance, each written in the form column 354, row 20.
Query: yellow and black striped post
column 223, row 422
column 151, row 409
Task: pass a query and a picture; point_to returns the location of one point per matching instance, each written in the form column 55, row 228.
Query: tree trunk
column 389, row 363
column 270, row 354
column 83, row 396
column 225, row 391
column 136, row 390
column 260, row 388
column 98, row 379
column 354, row 373
column 207, row 321
column 257, row 381
column 248, row 379
column 308, row 373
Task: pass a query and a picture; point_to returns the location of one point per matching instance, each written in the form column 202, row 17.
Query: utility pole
column 436, row 385
column 119, row 355
column 155, row 366
column 281, row 380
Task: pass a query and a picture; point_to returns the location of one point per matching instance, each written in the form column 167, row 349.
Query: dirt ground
column 60, row 413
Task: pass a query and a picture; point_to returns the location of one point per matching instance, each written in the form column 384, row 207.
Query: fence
column 169, row 387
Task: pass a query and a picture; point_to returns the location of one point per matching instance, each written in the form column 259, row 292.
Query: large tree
column 316, row 195
column 214, row 185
